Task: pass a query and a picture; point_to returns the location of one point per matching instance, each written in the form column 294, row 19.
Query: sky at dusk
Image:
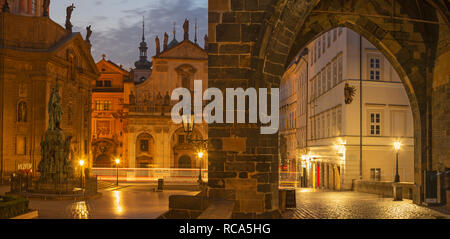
column 117, row 24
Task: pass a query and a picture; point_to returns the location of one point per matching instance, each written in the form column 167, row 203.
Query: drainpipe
column 360, row 110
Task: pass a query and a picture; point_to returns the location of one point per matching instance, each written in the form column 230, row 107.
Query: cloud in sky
column 117, row 24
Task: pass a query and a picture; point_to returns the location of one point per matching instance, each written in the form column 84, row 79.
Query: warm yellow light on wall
column 117, row 161
column 81, row 162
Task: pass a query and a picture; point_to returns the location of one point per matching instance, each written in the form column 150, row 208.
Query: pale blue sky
column 117, row 24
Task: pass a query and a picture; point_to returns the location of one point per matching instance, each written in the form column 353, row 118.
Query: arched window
column 184, row 162
column 186, row 74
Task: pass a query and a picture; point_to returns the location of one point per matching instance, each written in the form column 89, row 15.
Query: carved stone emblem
column 349, row 93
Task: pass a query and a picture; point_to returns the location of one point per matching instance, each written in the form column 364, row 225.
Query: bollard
column 398, row 192
column 160, row 185
column 290, row 198
column 282, row 200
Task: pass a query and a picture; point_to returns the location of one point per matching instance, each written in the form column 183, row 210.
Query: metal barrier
column 170, row 175
column 289, row 179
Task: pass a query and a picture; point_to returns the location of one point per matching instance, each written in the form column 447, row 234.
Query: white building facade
column 333, row 128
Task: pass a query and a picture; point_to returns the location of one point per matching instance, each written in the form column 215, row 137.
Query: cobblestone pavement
column 353, row 205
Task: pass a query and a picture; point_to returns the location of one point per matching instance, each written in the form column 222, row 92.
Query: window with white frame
column 334, row 73
column 323, row 43
column 329, row 86
column 319, row 86
column 340, row 68
column 333, row 123
column 339, row 121
column 328, row 125
column 319, row 126
column 324, row 80
column 328, row 39
column 375, row 123
column 319, row 48
column 374, row 67
column 323, row 126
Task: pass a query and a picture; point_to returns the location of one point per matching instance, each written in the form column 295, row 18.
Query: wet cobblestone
column 353, row 205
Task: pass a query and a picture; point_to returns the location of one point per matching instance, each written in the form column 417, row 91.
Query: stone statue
column 46, row 6
column 88, row 34
column 349, row 93
column 206, row 42
column 5, row 6
column 55, row 165
column 158, row 47
column 166, row 41
column 54, row 109
column 69, row 11
column 167, row 99
column 186, row 29
column 132, row 98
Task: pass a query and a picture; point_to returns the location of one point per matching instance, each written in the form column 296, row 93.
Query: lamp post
column 117, row 161
column 201, row 144
column 397, row 146
column 200, row 156
column 81, row 162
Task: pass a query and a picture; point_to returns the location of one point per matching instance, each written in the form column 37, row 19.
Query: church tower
column 143, row 66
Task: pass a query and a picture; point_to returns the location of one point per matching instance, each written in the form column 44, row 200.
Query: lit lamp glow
column 200, row 156
column 81, row 162
column 397, row 145
column 117, row 171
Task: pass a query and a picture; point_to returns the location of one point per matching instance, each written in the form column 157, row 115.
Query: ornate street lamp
column 81, row 162
column 397, row 146
column 117, row 161
column 200, row 144
column 188, row 123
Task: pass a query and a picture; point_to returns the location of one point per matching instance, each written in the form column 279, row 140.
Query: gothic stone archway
column 251, row 42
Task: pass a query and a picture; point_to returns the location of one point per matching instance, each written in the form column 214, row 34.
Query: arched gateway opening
column 343, row 107
column 412, row 37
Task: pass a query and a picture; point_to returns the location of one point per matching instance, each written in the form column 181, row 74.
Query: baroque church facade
column 36, row 54
column 133, row 119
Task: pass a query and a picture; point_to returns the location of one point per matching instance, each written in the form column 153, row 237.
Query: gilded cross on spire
column 143, row 29
column 195, row 38
column 174, row 29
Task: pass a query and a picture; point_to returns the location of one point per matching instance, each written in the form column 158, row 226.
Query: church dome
column 143, row 64
column 173, row 43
